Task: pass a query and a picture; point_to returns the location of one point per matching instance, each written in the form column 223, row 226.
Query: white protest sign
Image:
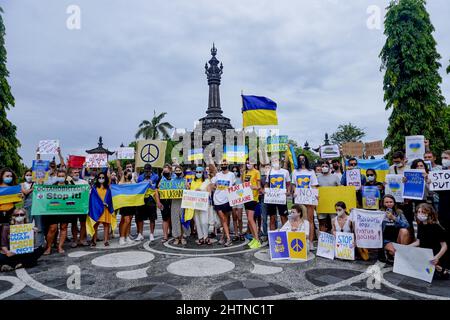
column 440, row 180
column 414, row 262
column 125, row 153
column 325, row 246
column 48, row 146
column 97, row 160
column 240, row 194
column 394, row 186
column 345, row 246
column 306, row 196
column 197, row 200
column 415, row 147
column 354, row 178
column 368, row 228
column 330, row 151
column 21, row 238
column 275, row 196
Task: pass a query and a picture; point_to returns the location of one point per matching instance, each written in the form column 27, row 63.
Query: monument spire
column 213, row 73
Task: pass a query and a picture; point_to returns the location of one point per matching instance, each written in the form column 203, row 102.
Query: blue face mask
column 8, row 180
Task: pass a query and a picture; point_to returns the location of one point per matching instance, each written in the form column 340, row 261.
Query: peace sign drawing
column 149, row 153
column 297, row 245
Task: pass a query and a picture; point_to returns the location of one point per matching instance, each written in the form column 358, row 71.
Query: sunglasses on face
column 19, row 215
column 352, row 164
column 199, row 172
column 370, row 175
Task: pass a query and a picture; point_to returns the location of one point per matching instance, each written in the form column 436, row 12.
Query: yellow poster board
column 297, row 246
column 328, row 196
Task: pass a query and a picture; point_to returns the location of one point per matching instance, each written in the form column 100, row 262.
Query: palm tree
column 154, row 128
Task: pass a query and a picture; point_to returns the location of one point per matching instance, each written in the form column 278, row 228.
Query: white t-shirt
column 304, row 227
column 222, row 182
column 80, row 181
column 303, row 178
column 278, row 178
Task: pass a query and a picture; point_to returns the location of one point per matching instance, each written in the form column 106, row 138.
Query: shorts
column 272, row 209
column 146, row 212
column 322, row 216
column 58, row 218
column 127, row 211
column 167, row 210
column 250, row 205
column 223, row 207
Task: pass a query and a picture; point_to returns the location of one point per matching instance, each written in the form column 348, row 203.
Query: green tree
column 411, row 80
column 8, row 141
column 312, row 157
column 347, row 133
column 154, row 129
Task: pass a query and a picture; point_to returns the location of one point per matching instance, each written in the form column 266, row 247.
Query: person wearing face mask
column 431, row 235
column 253, row 176
column 297, row 221
column 327, row 179
column 213, row 217
column 75, row 178
column 394, row 227
column 278, row 178
column 399, row 163
column 237, row 210
column 371, row 176
column 126, row 213
column 176, row 211
column 336, row 168
column 9, row 260
column 7, row 179
column 220, row 184
column 165, row 204
column 263, row 206
column 342, row 221
column 305, row 178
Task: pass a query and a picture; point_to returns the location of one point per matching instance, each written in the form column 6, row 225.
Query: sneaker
column 129, row 241
column 152, row 237
column 6, row 268
column 229, row 243
column 183, row 241
column 256, row 245
column 122, row 242
column 140, row 237
column 221, row 241
column 251, row 243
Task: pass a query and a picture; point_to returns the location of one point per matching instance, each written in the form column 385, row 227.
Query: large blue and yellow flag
column 292, row 157
column 97, row 208
column 258, row 111
column 380, row 166
column 129, row 195
column 10, row 194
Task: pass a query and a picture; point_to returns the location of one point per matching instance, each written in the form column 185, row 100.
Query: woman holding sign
column 8, row 196
column 254, row 177
column 201, row 217
column 237, row 210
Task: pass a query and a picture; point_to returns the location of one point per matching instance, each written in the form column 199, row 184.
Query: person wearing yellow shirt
column 254, row 177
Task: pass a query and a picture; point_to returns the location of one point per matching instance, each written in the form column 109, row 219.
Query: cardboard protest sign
column 277, row 143
column 353, row 178
column 275, row 195
column 48, row 146
column 297, row 246
column 414, row 187
column 21, row 238
column 40, row 171
column 197, row 200
column 152, row 152
column 353, row 149
column 125, row 153
column 345, row 246
column 415, row 147
column 414, row 262
column 97, row 160
column 368, row 226
column 394, row 186
column 371, row 197
column 240, row 194
column 171, row 189
column 278, row 245
column 330, row 151
column 374, row 148
column 328, row 196
column 67, row 199
column 440, row 180
column 326, row 245
column 306, row 196
column 76, row 162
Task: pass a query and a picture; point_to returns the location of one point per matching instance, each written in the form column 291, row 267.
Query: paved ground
column 162, row 271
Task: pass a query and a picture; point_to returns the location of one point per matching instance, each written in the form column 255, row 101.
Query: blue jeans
column 263, row 217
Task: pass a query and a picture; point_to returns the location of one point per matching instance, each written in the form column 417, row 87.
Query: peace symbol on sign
column 297, row 245
column 149, row 153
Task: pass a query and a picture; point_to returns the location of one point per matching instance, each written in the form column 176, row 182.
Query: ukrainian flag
column 10, row 194
column 129, row 195
column 292, row 157
column 380, row 166
column 195, row 154
column 97, row 208
column 258, row 111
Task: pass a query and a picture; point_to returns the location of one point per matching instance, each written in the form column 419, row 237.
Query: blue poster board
column 414, row 186
column 278, row 244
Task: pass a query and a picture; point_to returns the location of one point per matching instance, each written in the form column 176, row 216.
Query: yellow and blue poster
column 297, row 246
column 277, row 181
column 21, row 239
column 371, row 197
column 278, row 245
column 302, row 181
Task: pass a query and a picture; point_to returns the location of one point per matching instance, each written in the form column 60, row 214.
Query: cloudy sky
column 317, row 59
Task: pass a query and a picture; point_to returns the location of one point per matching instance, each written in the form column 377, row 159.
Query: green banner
column 69, row 199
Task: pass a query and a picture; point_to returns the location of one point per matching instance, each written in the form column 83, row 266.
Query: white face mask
column 101, row 181
column 235, row 173
column 325, row 170
column 422, row 217
column 446, row 163
column 28, row 178
column 371, row 178
column 198, row 175
column 19, row 219
column 340, row 212
column 76, row 178
column 276, row 165
column 60, row 179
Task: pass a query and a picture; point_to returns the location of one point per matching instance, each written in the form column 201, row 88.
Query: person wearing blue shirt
column 148, row 210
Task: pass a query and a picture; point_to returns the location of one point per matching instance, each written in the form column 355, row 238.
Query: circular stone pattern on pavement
column 200, row 267
column 123, row 259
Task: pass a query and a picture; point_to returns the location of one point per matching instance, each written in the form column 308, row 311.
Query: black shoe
column 382, row 255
